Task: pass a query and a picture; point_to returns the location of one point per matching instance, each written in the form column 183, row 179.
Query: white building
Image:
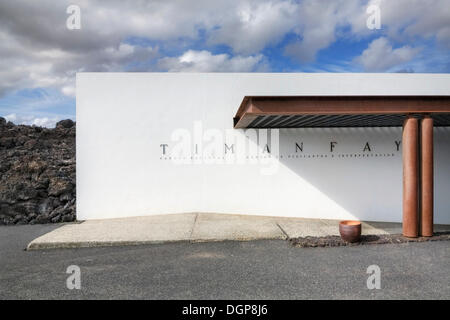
column 137, row 132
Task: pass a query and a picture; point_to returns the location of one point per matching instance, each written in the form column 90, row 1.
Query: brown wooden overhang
column 338, row 111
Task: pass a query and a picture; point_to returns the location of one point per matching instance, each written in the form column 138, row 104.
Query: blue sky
column 40, row 56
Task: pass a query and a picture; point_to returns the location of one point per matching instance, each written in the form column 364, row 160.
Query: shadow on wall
column 360, row 169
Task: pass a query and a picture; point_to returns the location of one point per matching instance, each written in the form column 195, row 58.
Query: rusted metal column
column 410, row 142
column 426, row 169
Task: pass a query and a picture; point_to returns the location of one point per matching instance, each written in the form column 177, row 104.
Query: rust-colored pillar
column 410, row 142
column 426, row 169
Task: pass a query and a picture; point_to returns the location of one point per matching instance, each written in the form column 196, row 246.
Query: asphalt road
column 222, row 270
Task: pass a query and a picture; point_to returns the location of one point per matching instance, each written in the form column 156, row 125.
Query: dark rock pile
column 37, row 173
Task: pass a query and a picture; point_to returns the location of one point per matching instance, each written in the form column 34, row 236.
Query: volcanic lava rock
column 65, row 124
column 37, row 173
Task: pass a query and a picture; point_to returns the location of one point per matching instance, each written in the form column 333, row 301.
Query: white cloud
column 22, row 65
column 253, row 25
column 44, row 53
column 31, row 120
column 205, row 61
column 405, row 20
column 322, row 22
column 37, row 50
column 380, row 56
column 68, row 90
column 319, row 22
column 45, row 122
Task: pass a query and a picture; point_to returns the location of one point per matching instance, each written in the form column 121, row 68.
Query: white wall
column 123, row 118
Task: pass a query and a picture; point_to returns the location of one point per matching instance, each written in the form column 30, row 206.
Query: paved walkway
column 196, row 227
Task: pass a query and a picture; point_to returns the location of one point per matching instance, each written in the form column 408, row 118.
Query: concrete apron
column 196, row 227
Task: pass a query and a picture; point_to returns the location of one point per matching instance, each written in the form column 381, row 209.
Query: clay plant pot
column 350, row 230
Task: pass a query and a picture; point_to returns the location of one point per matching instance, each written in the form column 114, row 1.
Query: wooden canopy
column 338, row 111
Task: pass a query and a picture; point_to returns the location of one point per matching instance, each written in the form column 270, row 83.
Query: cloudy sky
column 39, row 55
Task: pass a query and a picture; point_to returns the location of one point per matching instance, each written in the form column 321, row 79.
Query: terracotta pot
column 350, row 230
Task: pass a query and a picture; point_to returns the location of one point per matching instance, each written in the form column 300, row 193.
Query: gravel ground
column 336, row 241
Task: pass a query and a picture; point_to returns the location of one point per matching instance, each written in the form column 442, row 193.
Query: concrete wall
column 123, row 119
